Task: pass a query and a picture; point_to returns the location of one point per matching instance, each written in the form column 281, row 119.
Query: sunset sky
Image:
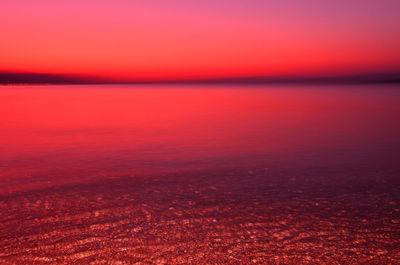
column 182, row 39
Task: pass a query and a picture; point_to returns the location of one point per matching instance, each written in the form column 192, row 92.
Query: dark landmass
column 368, row 78
column 39, row 78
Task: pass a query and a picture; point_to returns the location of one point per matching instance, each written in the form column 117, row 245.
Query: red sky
column 172, row 39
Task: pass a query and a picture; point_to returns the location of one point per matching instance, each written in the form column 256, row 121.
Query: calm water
column 76, row 133
column 251, row 159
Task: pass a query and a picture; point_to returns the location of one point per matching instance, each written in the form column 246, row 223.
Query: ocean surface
column 177, row 174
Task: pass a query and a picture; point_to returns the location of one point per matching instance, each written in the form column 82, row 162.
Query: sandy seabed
column 249, row 216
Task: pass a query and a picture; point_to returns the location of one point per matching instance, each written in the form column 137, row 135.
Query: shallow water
column 201, row 174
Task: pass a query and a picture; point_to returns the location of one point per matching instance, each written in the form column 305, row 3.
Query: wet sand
column 253, row 216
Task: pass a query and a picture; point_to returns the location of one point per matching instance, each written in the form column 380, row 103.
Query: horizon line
column 23, row 78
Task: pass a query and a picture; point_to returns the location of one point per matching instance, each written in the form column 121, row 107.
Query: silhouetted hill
column 35, row 78
column 39, row 78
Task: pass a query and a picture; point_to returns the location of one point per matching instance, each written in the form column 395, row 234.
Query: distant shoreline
column 51, row 79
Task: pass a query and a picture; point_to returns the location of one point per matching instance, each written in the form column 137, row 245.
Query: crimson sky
column 163, row 39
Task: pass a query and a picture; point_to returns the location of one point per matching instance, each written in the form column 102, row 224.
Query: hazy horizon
column 355, row 78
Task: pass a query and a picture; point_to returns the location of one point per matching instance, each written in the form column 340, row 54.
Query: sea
column 200, row 174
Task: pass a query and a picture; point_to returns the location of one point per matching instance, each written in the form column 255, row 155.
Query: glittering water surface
column 199, row 175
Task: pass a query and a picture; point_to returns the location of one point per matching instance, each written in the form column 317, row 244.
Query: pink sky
column 125, row 40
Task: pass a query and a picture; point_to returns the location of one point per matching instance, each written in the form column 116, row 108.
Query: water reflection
column 60, row 134
column 199, row 175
